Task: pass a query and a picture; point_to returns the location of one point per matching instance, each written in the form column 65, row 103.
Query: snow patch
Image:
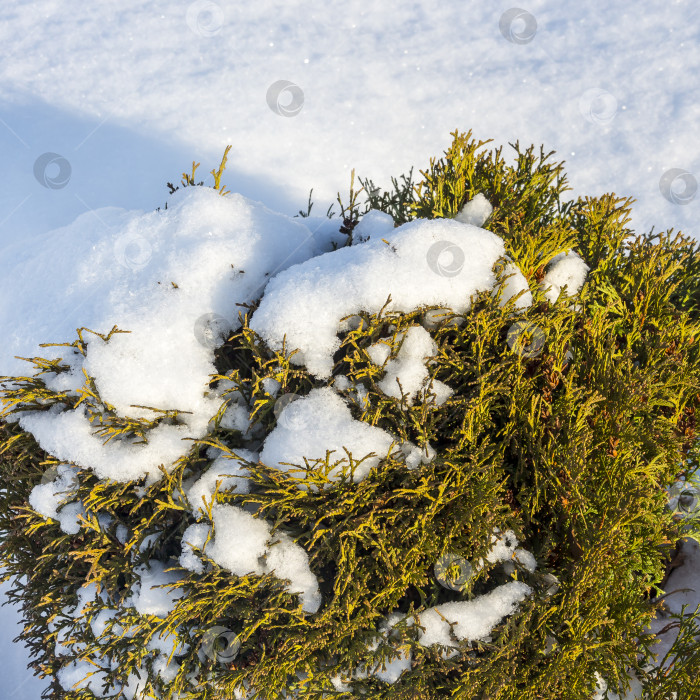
column 151, row 593
column 51, row 498
column 226, row 473
column 219, row 251
column 322, row 422
column 564, row 270
column 241, row 544
column 306, row 303
column 475, row 211
column 408, row 374
column 473, row 619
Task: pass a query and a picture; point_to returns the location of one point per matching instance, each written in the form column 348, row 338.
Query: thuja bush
column 513, row 540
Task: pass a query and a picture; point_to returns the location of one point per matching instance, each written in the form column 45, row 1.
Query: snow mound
column 475, row 211
column 424, row 263
column 173, row 280
column 374, row 224
column 322, row 422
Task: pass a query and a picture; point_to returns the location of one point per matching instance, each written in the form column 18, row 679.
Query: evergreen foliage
column 572, row 448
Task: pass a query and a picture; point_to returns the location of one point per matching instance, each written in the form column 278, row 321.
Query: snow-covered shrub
column 422, row 455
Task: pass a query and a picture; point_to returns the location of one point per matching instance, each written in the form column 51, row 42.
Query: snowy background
column 126, row 95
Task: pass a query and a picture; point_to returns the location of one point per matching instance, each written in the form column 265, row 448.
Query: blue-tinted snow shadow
column 18, row 683
column 101, row 164
column 110, row 165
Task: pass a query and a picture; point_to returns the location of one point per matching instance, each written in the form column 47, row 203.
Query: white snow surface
column 374, row 224
column 610, row 86
column 226, row 473
column 684, row 580
column 379, row 352
column 683, row 588
column 634, row 693
column 504, row 550
column 469, row 620
column 565, row 270
column 152, row 593
column 475, row 211
column 515, row 284
column 77, row 675
column 408, row 373
column 52, row 498
column 194, row 536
